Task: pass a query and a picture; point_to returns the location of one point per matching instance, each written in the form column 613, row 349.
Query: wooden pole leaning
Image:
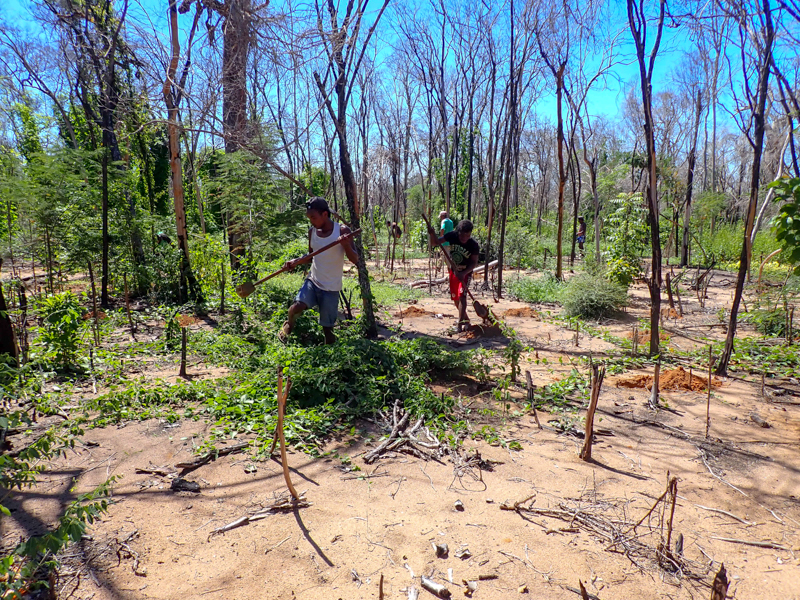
column 282, row 395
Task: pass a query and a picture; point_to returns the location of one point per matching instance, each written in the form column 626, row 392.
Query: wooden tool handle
column 309, row 255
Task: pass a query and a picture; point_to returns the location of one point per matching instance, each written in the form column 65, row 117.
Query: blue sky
column 603, row 100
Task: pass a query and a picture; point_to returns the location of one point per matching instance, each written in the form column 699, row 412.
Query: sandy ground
column 380, row 522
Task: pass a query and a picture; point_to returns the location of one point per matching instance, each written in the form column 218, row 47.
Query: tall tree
column 637, row 20
column 756, row 40
column 344, row 59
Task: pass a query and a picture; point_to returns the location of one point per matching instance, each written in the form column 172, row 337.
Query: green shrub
column 545, row 288
column 592, row 297
column 62, row 321
column 768, row 322
column 622, row 270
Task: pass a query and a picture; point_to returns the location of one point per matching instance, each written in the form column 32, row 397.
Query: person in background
column 324, row 283
column 581, row 235
column 445, row 227
column 464, row 253
column 394, row 230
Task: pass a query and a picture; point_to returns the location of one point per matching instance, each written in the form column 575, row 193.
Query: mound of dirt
column 644, row 336
column 90, row 315
column 186, row 320
column 526, row 312
column 672, row 380
column 670, row 313
column 478, row 331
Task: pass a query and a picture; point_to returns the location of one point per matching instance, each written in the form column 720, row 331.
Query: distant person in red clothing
column 464, row 251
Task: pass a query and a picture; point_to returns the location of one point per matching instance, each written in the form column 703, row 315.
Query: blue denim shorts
column 326, row 302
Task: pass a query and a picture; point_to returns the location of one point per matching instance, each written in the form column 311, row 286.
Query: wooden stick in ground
column 182, row 372
column 94, row 306
column 531, row 398
column 598, row 373
column 719, row 589
column 222, row 291
column 584, row 593
column 128, row 305
column 673, row 492
column 708, row 399
column 669, row 291
column 282, row 395
column 654, row 391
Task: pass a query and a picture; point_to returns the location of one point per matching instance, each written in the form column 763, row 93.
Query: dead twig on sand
column 726, row 513
column 210, row 456
column 282, row 504
column 770, row 545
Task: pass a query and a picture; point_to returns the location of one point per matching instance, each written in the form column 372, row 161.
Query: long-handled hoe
column 247, row 288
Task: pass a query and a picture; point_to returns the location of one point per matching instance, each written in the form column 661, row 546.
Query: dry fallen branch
column 210, row 456
column 282, row 504
column 608, row 522
column 403, row 438
column 770, row 545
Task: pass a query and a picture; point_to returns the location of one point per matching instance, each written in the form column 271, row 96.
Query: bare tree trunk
column 638, row 27
column 175, row 160
column 758, row 144
column 8, row 341
column 235, row 49
column 687, row 209
column 562, row 174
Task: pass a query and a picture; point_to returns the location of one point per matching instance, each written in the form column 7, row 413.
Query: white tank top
column 326, row 268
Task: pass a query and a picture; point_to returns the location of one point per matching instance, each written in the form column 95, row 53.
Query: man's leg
column 305, row 299
column 295, row 311
column 463, row 319
column 328, row 311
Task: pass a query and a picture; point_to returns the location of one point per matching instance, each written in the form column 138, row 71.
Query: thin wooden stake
column 182, row 372
column 128, row 305
column 708, row 399
column 94, row 306
column 791, row 327
column 635, row 347
column 654, row 391
column 282, row 395
column 222, row 291
column 598, row 373
column 673, row 492
column 577, row 332
column 531, row 399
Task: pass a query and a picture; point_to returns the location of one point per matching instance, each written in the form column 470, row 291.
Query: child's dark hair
column 318, row 204
column 464, row 226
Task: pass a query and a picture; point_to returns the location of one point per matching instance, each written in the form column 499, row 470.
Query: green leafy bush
column 592, row 297
column 546, row 288
column 768, row 322
column 62, row 321
column 626, row 237
column 622, row 270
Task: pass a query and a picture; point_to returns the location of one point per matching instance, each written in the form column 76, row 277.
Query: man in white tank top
column 321, row 289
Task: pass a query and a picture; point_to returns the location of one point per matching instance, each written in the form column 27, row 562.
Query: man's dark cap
column 318, row 204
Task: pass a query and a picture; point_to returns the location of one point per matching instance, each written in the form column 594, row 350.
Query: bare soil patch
column 738, row 487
